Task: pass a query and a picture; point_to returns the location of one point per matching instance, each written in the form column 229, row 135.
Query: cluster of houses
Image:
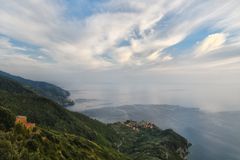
column 136, row 126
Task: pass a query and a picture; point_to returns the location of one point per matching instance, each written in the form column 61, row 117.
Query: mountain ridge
column 41, row 88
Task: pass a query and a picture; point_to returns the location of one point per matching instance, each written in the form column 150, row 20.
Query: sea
column 208, row 115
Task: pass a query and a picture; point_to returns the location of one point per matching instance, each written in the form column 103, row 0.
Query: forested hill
column 44, row 89
column 63, row 134
column 47, row 113
column 20, row 143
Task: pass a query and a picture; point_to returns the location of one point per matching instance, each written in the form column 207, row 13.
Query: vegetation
column 22, row 144
column 43, row 89
column 62, row 134
column 48, row 114
column 146, row 141
column 7, row 119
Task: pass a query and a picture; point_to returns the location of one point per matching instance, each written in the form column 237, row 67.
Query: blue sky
column 114, row 37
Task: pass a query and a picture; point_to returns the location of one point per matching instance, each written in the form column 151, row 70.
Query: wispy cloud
column 114, row 34
column 210, row 43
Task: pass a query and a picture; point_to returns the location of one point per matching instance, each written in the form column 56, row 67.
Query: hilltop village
column 136, row 126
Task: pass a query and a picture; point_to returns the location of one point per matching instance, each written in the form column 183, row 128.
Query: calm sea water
column 209, row 97
column 213, row 128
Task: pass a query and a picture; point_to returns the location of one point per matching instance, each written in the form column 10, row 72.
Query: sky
column 121, row 41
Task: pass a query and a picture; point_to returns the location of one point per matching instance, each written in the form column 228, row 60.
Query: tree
column 32, row 145
column 7, row 119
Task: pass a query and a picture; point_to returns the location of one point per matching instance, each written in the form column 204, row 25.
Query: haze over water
column 207, row 97
column 213, row 128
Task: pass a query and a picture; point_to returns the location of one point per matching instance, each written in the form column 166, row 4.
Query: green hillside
column 143, row 140
column 18, row 143
column 46, row 113
column 43, row 89
column 71, row 135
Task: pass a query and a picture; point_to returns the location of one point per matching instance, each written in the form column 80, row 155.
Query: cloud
column 120, row 34
column 154, row 55
column 167, row 58
column 210, row 43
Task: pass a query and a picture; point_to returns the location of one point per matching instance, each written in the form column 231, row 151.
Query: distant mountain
column 44, row 89
column 62, row 134
column 13, row 87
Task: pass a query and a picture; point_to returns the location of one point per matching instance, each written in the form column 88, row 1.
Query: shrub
column 32, row 145
column 5, row 150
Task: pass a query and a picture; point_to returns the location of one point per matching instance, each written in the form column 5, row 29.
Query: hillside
column 144, row 140
column 46, row 113
column 44, row 89
column 95, row 140
column 16, row 142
